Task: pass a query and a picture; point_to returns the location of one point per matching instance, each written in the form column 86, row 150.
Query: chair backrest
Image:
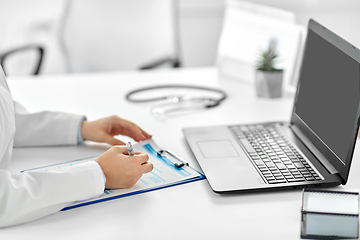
column 108, row 35
column 24, row 54
column 25, row 24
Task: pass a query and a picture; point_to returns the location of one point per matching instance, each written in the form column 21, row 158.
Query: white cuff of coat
column 102, row 173
column 80, row 139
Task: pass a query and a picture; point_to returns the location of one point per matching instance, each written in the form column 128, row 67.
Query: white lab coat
column 32, row 195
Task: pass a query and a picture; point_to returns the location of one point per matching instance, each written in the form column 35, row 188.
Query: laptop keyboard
column 274, row 156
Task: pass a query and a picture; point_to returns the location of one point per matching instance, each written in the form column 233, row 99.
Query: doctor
column 28, row 196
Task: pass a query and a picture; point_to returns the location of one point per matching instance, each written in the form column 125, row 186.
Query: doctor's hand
column 104, row 130
column 122, row 170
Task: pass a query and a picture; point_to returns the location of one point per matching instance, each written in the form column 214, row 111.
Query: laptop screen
column 328, row 97
column 327, row 104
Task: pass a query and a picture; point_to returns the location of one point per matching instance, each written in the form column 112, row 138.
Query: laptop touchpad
column 217, row 149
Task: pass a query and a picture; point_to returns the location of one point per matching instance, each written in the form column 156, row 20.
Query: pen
column 130, row 149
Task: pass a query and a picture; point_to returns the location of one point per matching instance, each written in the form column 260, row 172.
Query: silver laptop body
column 322, row 130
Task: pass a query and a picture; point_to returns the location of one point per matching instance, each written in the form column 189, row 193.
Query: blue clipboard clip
column 175, row 159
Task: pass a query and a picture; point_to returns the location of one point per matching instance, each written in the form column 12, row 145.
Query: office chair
column 7, row 55
column 111, row 35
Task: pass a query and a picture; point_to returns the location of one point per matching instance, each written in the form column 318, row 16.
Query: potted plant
column 268, row 80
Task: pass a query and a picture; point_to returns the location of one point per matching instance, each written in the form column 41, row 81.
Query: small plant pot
column 269, row 84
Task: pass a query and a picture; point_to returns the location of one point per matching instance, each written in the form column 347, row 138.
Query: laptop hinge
column 314, row 150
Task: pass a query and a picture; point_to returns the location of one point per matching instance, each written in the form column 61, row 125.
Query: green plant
column 268, row 58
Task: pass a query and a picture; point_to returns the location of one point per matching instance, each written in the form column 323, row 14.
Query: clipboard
column 169, row 170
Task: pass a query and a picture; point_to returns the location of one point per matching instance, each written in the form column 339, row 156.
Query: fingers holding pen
column 122, row 170
column 141, row 157
column 120, row 149
column 147, row 167
column 128, row 150
column 143, row 160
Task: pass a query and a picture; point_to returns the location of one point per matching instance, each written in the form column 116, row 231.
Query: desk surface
column 202, row 214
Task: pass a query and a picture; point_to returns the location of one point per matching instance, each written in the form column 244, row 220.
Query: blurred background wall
column 199, row 22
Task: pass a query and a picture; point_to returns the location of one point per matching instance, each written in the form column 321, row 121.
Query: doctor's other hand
column 122, row 170
column 104, row 130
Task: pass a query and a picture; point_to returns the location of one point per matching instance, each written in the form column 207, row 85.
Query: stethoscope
column 177, row 102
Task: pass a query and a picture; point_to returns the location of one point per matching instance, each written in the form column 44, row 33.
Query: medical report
column 164, row 174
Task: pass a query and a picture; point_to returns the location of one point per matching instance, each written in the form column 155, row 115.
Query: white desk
column 189, row 211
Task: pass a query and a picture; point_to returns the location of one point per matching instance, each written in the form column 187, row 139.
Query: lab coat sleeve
column 29, row 196
column 45, row 128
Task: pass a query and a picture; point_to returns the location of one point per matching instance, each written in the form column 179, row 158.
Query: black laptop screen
column 328, row 98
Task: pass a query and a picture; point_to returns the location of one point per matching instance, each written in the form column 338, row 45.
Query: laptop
column 314, row 149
